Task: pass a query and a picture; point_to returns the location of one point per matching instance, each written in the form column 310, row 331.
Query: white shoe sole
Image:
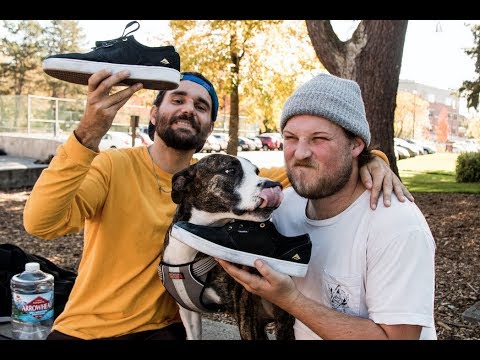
column 235, row 256
column 78, row 72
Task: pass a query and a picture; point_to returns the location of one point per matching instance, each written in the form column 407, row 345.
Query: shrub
column 468, row 167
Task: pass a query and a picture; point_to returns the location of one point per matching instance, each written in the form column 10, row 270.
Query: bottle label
column 32, row 307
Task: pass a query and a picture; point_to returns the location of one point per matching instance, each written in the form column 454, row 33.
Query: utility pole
column 134, row 120
column 414, row 110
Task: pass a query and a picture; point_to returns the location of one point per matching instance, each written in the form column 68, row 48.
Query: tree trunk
column 233, row 124
column 373, row 58
column 18, row 98
column 234, row 100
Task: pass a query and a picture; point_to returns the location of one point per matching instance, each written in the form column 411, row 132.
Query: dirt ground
column 453, row 218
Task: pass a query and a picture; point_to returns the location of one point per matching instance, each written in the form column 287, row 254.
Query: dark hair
column 366, row 154
column 161, row 94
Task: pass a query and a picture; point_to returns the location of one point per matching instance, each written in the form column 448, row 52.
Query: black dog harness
column 186, row 283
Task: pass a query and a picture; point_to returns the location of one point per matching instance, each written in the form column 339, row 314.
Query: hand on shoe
column 273, row 286
column 102, row 107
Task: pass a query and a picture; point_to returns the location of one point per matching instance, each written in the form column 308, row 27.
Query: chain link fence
column 32, row 114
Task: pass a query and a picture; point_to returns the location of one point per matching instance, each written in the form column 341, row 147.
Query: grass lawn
column 433, row 173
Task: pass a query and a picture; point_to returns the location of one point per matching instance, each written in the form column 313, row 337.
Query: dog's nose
column 270, row 184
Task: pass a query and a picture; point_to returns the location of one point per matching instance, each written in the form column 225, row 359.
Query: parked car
column 211, row 145
column 472, row 145
column 117, row 140
column 415, row 144
column 257, row 142
column 428, row 148
column 401, row 152
column 269, row 142
column 246, row 144
column 277, row 136
column 144, row 138
column 412, row 150
column 222, row 139
column 459, row 147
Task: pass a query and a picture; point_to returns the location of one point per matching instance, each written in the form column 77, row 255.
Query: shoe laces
column 108, row 43
column 240, row 225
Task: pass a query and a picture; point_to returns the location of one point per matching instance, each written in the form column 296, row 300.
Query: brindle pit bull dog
column 212, row 192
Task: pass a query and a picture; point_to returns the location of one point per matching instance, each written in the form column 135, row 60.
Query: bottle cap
column 32, row 266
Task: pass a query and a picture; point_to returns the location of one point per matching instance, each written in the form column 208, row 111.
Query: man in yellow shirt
column 121, row 199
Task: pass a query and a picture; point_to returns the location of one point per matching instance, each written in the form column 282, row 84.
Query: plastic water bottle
column 32, row 303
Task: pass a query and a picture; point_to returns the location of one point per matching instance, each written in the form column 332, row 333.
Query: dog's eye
column 230, row 171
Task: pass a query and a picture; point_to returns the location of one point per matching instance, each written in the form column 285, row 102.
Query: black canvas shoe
column 242, row 242
column 157, row 68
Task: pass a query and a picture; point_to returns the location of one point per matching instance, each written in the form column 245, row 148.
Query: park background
column 255, row 66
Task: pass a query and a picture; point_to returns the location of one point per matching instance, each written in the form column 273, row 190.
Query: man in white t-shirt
column 371, row 273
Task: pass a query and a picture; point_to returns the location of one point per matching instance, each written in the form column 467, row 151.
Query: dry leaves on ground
column 453, row 218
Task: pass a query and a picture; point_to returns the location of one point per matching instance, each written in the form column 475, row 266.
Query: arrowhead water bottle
column 32, row 303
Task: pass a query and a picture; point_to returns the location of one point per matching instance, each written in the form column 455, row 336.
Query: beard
column 181, row 139
column 319, row 185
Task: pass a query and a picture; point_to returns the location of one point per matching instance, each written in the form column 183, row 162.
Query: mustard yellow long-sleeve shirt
column 114, row 197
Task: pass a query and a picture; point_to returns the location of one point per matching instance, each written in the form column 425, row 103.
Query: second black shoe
column 157, row 68
column 242, row 242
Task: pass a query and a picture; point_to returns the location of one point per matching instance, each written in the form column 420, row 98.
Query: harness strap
column 186, row 283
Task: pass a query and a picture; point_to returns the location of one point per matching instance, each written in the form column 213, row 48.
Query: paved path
column 17, row 172
column 8, row 162
column 212, row 330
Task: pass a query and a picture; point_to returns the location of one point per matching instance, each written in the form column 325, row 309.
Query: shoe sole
column 235, row 256
column 79, row 71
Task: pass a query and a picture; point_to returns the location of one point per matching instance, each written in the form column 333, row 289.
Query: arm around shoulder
column 276, row 174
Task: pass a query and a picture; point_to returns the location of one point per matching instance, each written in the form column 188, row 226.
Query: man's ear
column 358, row 146
column 153, row 115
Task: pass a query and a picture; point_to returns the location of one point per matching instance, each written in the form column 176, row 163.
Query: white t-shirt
column 376, row 264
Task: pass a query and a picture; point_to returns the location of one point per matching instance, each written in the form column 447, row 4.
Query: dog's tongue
column 272, row 197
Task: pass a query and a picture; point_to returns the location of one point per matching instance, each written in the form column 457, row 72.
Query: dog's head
column 222, row 187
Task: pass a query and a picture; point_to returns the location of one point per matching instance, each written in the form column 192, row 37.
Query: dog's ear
column 182, row 181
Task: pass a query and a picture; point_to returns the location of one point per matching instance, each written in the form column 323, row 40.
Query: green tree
column 248, row 78
column 411, row 113
column 473, row 130
column 59, row 37
column 276, row 76
column 471, row 89
column 24, row 46
column 372, row 57
column 21, row 50
column 217, row 49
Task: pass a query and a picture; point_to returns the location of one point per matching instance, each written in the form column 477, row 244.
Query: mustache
column 305, row 163
column 190, row 118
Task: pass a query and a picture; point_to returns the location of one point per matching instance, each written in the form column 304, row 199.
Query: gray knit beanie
column 336, row 99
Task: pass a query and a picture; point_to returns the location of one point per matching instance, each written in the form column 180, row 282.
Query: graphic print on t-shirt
column 343, row 293
column 338, row 298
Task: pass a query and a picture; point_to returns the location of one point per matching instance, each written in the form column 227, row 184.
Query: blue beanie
column 336, row 99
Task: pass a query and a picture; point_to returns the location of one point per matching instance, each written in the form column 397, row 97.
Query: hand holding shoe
column 270, row 285
column 102, row 107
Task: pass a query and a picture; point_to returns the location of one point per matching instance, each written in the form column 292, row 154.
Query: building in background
column 439, row 100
